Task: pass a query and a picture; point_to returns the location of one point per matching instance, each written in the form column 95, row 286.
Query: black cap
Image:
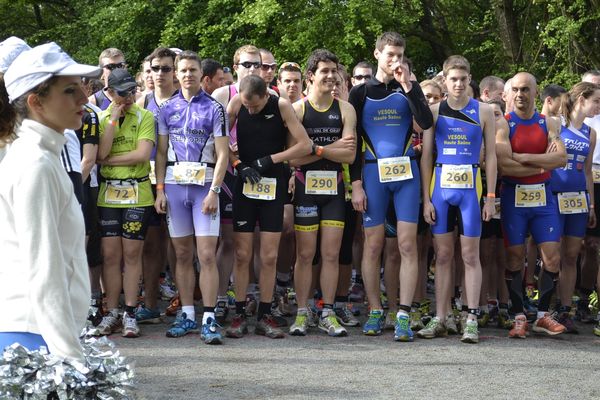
column 119, row 79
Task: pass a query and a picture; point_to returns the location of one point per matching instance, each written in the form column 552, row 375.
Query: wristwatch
column 216, row 189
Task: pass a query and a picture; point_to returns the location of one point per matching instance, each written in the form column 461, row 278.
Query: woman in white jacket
column 44, row 283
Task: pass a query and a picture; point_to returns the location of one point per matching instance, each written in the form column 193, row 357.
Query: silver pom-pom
column 33, row 375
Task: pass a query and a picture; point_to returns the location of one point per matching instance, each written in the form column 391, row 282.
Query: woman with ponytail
column 44, row 283
column 573, row 186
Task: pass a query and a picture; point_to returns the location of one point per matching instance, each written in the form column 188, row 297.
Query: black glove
column 262, row 164
column 247, row 173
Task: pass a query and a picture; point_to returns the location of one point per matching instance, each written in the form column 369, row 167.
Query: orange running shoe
column 548, row 325
column 519, row 329
column 174, row 305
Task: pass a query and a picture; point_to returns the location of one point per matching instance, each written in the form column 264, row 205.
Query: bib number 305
column 265, row 189
column 572, row 203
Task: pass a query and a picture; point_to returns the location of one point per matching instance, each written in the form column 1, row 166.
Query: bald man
column 528, row 147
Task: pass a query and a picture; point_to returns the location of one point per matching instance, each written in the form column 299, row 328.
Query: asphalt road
column 360, row 367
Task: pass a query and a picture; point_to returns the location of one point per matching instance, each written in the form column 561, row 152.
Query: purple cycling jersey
column 192, row 127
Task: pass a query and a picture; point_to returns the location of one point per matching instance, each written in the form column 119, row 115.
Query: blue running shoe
column 402, row 332
column 144, row 315
column 374, row 324
column 182, row 327
column 210, row 332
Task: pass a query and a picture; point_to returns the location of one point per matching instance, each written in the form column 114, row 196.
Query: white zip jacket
column 44, row 282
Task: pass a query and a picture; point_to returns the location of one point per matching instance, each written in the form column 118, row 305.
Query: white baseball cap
column 9, row 50
column 35, row 66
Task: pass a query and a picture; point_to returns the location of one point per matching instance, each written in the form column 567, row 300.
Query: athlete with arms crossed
column 529, row 147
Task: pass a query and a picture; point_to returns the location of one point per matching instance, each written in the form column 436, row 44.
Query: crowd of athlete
column 291, row 175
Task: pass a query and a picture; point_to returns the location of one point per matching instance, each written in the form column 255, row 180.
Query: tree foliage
column 556, row 40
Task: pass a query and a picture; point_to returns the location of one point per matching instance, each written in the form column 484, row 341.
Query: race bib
column 394, row 169
column 530, row 195
column 152, row 175
column 596, row 173
column 497, row 211
column 321, row 182
column 572, row 203
column 189, row 173
column 121, row 192
column 265, row 189
column 457, row 176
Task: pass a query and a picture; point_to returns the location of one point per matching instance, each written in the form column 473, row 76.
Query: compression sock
column 546, row 287
column 514, row 283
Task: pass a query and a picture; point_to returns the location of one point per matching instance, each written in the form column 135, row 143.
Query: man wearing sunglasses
column 362, row 72
column 110, row 59
column 162, row 67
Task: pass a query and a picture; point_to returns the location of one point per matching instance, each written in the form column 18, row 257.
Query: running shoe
column 530, row 310
column 425, row 309
column 166, row 289
column 95, row 313
column 504, row 321
column 390, row 321
column 451, row 326
column 266, row 326
column 483, row 319
column 221, row 311
column 435, row 328
column 416, row 322
column 374, row 324
column 565, row 319
column 173, row 306
column 597, row 329
column 357, row 293
column 583, row 313
column 238, row 327
column 251, row 305
column 548, row 325
column 111, row 323
column 300, row 325
column 285, row 308
column 210, row 332
column 355, row 310
column 182, row 327
column 470, row 332
column 144, row 315
column 130, row 326
column 402, row 331
column 519, row 329
column 384, row 300
column 331, row 326
column 313, row 317
column 231, row 298
column 345, row 316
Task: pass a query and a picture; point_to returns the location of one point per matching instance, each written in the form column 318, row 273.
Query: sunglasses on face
column 162, row 68
column 361, row 77
column 249, row 64
column 268, row 67
column 290, row 64
column 114, row 66
column 127, row 93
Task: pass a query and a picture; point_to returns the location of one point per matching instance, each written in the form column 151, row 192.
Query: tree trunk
column 508, row 30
